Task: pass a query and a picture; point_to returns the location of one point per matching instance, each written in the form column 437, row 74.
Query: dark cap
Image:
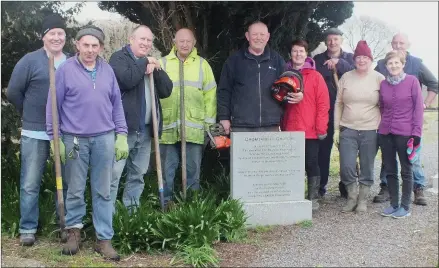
column 51, row 22
column 333, row 31
column 93, row 31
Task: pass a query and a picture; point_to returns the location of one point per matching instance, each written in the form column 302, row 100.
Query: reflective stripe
column 164, row 63
column 209, row 86
column 187, row 83
column 210, row 120
column 188, row 123
column 201, row 74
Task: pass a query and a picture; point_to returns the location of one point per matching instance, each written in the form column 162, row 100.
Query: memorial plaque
column 268, row 175
column 268, row 166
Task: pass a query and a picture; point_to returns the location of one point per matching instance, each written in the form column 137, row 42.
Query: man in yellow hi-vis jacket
column 183, row 63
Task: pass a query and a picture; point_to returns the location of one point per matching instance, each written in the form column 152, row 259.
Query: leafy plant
column 203, row 256
column 191, row 223
column 232, row 218
column 133, row 231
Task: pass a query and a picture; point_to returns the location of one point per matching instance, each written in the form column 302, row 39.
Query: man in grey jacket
column 28, row 90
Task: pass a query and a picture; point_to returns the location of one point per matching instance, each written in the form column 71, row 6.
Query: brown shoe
column 73, row 242
column 105, row 248
column 419, row 197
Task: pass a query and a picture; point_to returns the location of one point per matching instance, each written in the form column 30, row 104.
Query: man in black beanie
column 28, row 90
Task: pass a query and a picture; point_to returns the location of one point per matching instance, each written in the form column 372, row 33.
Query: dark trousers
column 325, row 147
column 390, row 146
column 312, row 158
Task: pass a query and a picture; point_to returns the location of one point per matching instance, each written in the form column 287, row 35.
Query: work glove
column 337, row 137
column 62, row 151
column 416, row 141
column 322, row 136
column 413, row 148
column 121, row 147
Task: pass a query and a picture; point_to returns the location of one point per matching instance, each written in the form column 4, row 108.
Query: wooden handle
column 158, row 160
column 58, row 175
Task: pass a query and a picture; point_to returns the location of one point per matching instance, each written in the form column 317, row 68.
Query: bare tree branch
column 377, row 34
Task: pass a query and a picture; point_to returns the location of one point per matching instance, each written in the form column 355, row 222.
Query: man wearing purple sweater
column 400, row 130
column 91, row 116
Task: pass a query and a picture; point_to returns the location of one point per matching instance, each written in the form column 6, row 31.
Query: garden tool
column 158, row 161
column 59, row 186
column 182, row 131
column 217, row 136
column 338, row 89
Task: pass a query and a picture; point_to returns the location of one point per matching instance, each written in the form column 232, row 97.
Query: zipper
column 260, row 95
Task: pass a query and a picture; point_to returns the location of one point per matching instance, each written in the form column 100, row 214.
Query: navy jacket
column 244, row 91
column 345, row 64
column 130, row 74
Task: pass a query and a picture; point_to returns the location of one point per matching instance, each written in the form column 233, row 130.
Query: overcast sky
column 418, row 19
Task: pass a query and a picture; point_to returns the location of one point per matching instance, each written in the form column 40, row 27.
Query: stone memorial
column 268, row 176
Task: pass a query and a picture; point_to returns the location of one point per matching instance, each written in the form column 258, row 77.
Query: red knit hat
column 363, row 49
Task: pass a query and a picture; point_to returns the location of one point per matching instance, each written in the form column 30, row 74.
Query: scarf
column 395, row 80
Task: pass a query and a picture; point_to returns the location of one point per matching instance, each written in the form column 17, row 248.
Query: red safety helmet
column 290, row 81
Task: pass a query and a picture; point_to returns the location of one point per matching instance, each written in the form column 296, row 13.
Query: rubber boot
column 352, row 197
column 383, row 195
column 419, row 197
column 105, row 248
column 362, row 198
column 73, row 242
column 313, row 191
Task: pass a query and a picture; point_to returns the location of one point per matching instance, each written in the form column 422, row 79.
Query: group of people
column 105, row 117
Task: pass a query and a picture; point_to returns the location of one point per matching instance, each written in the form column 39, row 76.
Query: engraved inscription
column 268, row 166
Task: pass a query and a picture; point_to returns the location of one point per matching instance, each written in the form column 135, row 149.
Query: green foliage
column 192, row 223
column 133, row 231
column 220, row 26
column 232, row 220
column 204, row 256
column 305, row 224
column 189, row 227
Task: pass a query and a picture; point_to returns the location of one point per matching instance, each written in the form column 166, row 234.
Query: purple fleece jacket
column 402, row 108
column 86, row 108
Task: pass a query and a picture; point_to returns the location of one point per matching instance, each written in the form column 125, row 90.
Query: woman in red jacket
column 310, row 115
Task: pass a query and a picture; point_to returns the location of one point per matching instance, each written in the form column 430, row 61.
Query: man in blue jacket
column 244, row 95
column 28, row 90
column 132, row 68
column 333, row 57
column 413, row 66
column 93, row 133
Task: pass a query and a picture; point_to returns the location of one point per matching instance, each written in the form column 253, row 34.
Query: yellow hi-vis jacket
column 199, row 98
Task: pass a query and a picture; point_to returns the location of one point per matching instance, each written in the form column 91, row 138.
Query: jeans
column 137, row 164
column 170, row 155
column 312, row 158
column 97, row 153
column 325, row 157
column 390, row 146
column 34, row 155
column 353, row 143
column 418, row 173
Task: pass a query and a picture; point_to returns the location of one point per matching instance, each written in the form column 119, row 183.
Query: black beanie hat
column 51, row 22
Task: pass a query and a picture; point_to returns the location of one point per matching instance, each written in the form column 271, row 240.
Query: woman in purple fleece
column 400, row 130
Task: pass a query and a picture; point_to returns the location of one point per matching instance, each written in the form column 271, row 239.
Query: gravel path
column 339, row 239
